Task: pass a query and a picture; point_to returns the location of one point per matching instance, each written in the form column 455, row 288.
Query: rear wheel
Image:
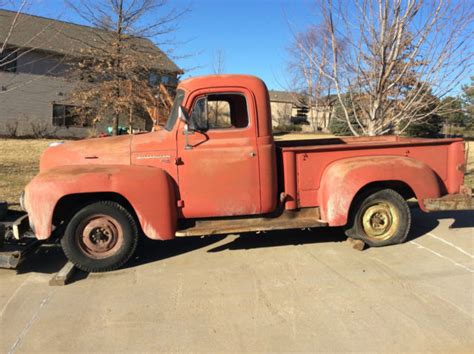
column 100, row 237
column 380, row 218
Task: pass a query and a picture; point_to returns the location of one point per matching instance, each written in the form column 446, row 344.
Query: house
column 292, row 108
column 34, row 84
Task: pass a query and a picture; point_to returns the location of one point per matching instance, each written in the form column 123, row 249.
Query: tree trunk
column 130, row 120
column 371, row 127
column 115, row 124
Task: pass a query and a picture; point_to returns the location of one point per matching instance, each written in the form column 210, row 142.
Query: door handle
column 252, row 154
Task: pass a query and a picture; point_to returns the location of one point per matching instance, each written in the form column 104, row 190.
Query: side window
column 221, row 111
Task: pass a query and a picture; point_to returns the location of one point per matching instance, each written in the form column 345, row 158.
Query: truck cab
column 224, row 156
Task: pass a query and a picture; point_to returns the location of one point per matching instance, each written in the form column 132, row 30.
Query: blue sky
column 252, row 34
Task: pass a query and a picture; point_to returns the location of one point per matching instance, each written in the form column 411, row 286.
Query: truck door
column 218, row 171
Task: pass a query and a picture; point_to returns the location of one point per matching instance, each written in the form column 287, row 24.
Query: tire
column 100, row 237
column 380, row 218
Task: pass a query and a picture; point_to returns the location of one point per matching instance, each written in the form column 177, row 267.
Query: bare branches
column 392, row 61
column 218, row 65
column 4, row 41
column 153, row 19
column 309, row 51
column 120, row 72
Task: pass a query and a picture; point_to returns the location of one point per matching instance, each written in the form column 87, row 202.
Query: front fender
column 344, row 178
column 149, row 190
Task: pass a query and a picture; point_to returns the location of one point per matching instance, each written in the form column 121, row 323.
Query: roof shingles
column 69, row 38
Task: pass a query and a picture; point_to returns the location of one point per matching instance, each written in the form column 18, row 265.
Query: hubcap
column 380, row 221
column 99, row 236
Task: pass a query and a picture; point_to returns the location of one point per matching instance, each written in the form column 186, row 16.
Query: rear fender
column 149, row 190
column 343, row 179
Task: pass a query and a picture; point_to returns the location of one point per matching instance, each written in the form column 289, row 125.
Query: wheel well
column 70, row 204
column 400, row 187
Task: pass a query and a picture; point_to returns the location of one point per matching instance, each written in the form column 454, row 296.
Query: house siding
column 284, row 110
column 27, row 97
column 41, row 77
column 28, row 102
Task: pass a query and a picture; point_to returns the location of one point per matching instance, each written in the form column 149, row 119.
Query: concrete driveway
column 281, row 291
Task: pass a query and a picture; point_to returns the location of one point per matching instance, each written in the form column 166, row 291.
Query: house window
column 8, row 60
column 221, row 111
column 165, row 79
column 153, row 79
column 68, row 116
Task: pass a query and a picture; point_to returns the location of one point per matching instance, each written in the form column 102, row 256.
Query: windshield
column 178, row 100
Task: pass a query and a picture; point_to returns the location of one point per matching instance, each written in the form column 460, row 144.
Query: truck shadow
column 251, row 240
column 149, row 251
column 47, row 259
column 152, row 251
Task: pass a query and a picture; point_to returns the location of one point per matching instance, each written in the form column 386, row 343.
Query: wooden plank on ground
column 63, row 276
column 358, row 245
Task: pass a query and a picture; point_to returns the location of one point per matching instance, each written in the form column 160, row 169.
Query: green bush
column 339, row 127
column 427, row 128
column 287, row 128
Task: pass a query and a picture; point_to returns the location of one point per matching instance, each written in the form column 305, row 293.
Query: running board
column 304, row 218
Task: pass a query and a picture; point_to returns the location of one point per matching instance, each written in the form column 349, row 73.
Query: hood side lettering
column 147, row 157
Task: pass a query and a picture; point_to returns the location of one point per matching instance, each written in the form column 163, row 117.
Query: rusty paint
column 149, row 190
column 343, row 179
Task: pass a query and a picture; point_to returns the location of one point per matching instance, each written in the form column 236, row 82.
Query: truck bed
column 303, row 162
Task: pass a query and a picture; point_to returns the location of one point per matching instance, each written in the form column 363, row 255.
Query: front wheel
column 100, row 237
column 379, row 219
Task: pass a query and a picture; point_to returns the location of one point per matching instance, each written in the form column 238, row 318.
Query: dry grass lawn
column 19, row 163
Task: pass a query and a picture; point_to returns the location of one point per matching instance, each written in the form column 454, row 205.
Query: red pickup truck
column 215, row 168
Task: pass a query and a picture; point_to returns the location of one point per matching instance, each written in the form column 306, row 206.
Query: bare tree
column 119, row 70
column 308, row 56
column 392, row 61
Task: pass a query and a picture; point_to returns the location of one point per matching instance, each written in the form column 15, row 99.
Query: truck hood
column 111, row 150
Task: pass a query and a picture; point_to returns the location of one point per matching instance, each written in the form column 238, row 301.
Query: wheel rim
column 380, row 221
column 99, row 236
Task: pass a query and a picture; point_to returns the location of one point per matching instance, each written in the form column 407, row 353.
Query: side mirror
column 182, row 115
column 190, row 123
column 187, row 129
